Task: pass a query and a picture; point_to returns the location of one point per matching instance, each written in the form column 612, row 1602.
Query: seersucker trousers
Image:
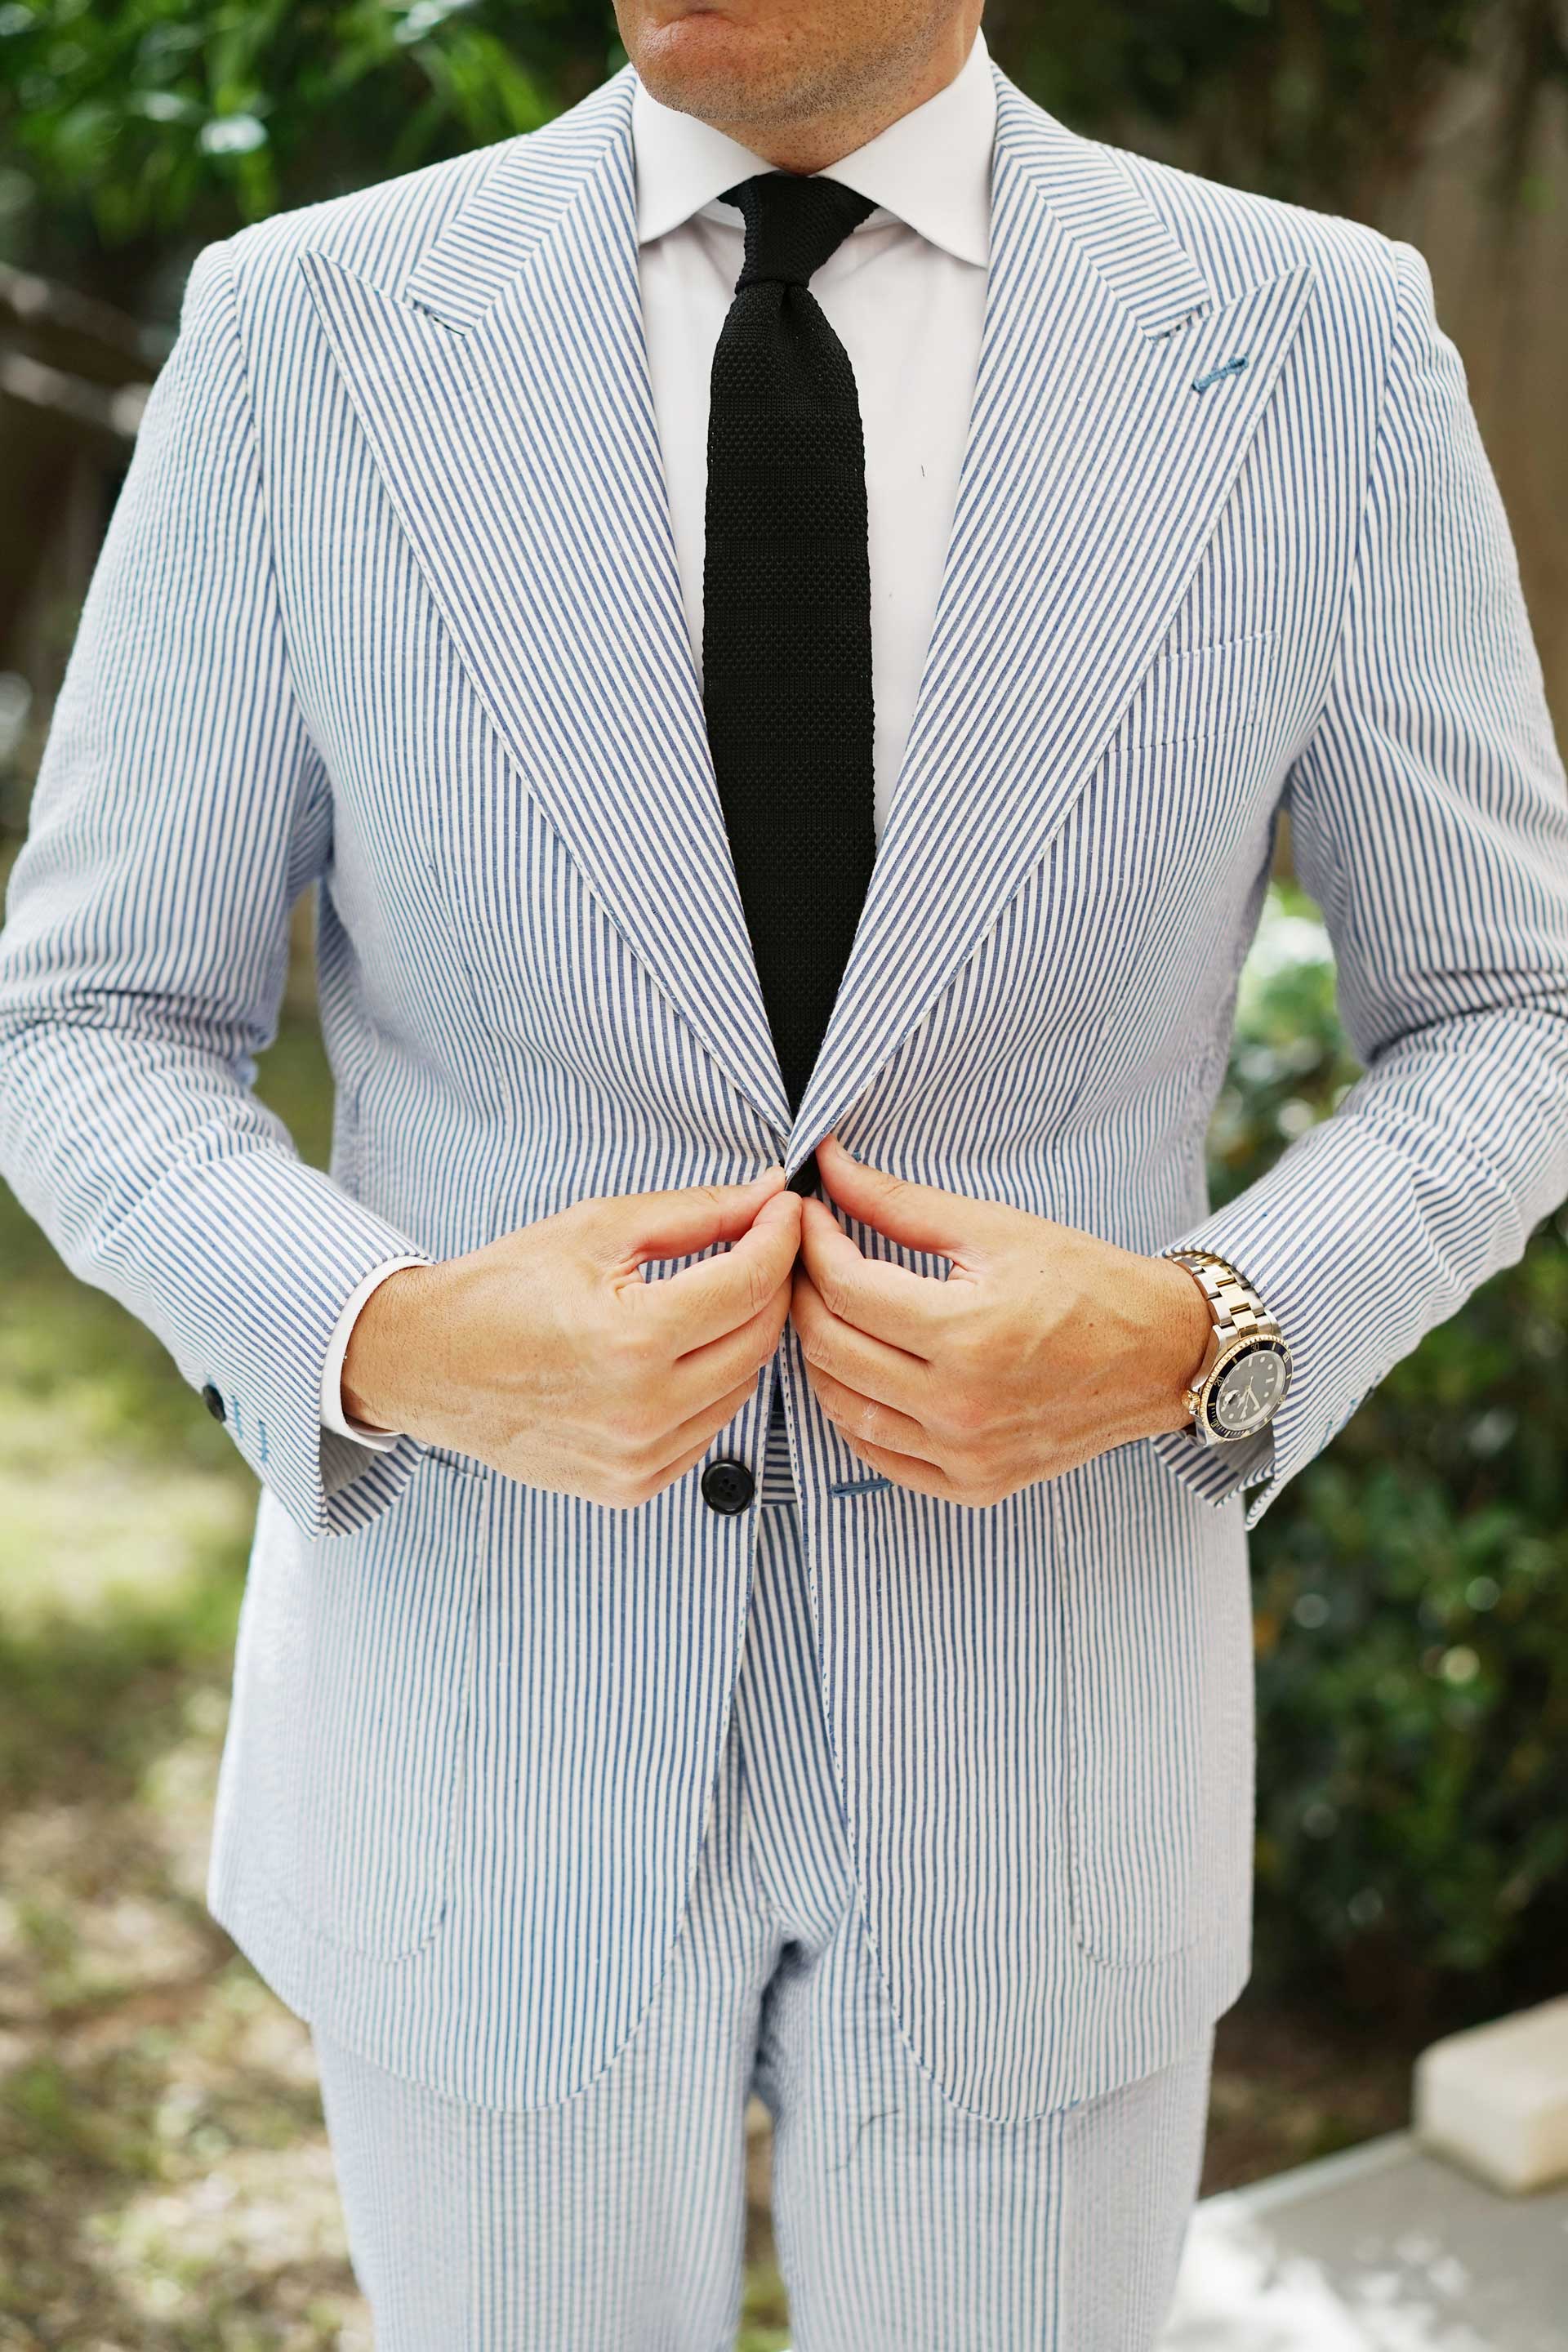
column 614, row 2222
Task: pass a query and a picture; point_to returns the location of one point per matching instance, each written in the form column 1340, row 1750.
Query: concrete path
column 1383, row 2248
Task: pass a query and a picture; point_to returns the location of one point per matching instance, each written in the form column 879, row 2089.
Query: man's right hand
column 550, row 1356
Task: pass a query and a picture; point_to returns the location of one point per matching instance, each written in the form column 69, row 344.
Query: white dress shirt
column 905, row 293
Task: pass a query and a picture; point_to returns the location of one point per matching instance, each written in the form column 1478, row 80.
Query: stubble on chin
column 761, row 78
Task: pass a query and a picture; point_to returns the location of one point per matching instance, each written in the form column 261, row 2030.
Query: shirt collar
column 931, row 169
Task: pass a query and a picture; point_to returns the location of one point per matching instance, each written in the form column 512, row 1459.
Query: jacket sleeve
column 180, row 810
column 1430, row 819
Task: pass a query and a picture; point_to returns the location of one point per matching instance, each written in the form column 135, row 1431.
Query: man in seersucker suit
column 780, row 612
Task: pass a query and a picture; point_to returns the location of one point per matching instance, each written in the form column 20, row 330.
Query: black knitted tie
column 787, row 613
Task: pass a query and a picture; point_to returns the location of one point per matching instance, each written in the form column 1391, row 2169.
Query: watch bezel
column 1246, row 1343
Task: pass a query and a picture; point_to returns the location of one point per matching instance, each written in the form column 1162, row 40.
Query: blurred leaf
column 143, row 119
column 104, row 106
column 1412, row 1592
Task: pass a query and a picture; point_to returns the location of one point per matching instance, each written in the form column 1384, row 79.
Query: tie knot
column 794, row 221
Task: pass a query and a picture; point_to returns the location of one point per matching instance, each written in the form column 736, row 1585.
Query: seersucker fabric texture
column 388, row 608
column 787, row 613
column 619, row 2218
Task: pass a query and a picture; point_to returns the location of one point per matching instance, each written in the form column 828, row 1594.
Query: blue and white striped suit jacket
column 390, row 604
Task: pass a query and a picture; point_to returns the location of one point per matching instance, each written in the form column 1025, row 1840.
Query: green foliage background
column 132, row 131
column 1411, row 1603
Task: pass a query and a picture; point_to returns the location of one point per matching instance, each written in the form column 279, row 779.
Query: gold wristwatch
column 1242, row 1380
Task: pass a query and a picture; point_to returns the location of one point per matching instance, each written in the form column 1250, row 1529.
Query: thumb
column 676, row 1224
column 917, row 1215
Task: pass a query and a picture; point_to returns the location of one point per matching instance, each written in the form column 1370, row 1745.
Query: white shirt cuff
column 380, row 1441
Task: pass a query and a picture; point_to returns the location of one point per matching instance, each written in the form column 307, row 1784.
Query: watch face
column 1248, row 1390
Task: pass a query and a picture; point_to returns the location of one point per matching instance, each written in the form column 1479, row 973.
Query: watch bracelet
column 1236, row 1308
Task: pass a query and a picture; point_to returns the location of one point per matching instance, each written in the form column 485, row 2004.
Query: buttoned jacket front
column 389, row 604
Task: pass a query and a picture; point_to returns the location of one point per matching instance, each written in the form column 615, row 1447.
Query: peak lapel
column 1092, row 476
column 504, row 390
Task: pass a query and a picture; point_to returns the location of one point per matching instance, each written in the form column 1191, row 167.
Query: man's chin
column 704, row 63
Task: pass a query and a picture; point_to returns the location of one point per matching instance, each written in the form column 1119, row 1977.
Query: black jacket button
column 728, row 1486
column 213, row 1403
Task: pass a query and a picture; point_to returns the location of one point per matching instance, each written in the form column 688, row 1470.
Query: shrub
column 1411, row 1590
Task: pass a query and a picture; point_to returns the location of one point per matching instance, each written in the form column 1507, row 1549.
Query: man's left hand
column 1043, row 1347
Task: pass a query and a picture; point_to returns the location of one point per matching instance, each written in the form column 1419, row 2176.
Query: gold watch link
column 1244, row 1329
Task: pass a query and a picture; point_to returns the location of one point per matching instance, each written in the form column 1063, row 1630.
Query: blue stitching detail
column 1231, row 367
column 858, row 1485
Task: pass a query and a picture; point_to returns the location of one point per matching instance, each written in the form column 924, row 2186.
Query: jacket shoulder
column 1237, row 236
column 384, row 231
column 381, row 231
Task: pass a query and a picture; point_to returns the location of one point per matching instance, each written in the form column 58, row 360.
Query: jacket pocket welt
column 1201, row 691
